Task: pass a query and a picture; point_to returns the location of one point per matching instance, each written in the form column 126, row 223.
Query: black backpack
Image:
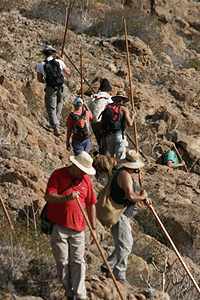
column 53, row 72
column 110, row 118
column 160, row 159
column 81, row 127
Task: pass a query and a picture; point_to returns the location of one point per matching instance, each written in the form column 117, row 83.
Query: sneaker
column 57, row 131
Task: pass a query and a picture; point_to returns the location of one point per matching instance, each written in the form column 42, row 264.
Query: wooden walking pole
column 81, row 73
column 180, row 156
column 6, row 213
column 78, row 71
column 100, row 250
column 174, row 248
column 140, row 151
column 66, row 27
column 81, row 58
column 131, row 91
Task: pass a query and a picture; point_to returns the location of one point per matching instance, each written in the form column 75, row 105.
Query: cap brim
column 89, row 171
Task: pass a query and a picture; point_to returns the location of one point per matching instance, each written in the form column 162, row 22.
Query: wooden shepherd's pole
column 78, row 71
column 174, row 248
column 180, row 156
column 6, row 213
column 100, row 250
column 66, row 27
column 81, row 58
column 131, row 91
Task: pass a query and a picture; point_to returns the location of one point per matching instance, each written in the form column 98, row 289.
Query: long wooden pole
column 81, row 59
column 174, row 248
column 131, row 91
column 180, row 157
column 66, row 27
column 78, row 71
column 6, row 213
column 140, row 151
column 100, row 250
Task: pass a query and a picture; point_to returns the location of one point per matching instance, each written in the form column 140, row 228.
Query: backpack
column 108, row 211
column 97, row 103
column 81, row 127
column 160, row 159
column 110, row 118
column 53, row 72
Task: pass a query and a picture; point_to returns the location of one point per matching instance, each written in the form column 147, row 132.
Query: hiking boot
column 57, row 131
column 122, row 281
column 70, row 298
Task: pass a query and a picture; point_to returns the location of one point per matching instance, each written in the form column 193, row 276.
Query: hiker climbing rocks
column 114, row 118
column 96, row 104
column 67, row 236
column 123, row 191
column 78, row 127
column 49, row 72
column 170, row 158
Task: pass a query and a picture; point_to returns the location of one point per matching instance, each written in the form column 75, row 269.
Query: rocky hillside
column 164, row 40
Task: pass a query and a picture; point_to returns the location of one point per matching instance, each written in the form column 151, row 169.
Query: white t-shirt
column 97, row 103
column 40, row 67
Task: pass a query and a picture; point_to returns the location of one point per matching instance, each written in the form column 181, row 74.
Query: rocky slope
column 164, row 64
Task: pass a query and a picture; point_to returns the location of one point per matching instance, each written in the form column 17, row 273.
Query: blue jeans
column 81, row 145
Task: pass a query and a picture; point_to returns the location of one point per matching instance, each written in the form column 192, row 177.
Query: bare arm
column 126, row 183
column 170, row 164
column 128, row 117
column 66, row 71
column 40, row 77
column 69, row 132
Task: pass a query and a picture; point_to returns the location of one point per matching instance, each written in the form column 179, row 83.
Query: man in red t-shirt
column 78, row 123
column 67, row 236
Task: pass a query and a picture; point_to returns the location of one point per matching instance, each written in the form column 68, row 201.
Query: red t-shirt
column 69, row 214
column 70, row 120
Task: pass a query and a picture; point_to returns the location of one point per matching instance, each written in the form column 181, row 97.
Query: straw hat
column 132, row 160
column 47, row 48
column 84, row 162
column 120, row 96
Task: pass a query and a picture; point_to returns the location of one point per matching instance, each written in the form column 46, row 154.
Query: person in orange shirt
column 78, row 124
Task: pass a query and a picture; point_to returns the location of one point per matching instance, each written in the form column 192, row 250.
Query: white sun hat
column 84, row 162
column 132, row 160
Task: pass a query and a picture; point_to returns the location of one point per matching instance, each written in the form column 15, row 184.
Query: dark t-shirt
column 118, row 194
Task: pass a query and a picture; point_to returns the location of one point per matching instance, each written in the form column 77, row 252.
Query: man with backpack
column 123, row 192
column 49, row 72
column 96, row 104
column 78, row 127
column 114, row 118
column 64, row 186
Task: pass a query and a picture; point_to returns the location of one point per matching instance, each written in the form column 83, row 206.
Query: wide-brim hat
column 47, row 48
column 181, row 144
column 120, row 96
column 132, row 160
column 84, row 162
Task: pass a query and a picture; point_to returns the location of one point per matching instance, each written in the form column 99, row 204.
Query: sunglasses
column 136, row 171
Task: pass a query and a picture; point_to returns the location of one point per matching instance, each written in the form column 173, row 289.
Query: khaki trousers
column 68, row 248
